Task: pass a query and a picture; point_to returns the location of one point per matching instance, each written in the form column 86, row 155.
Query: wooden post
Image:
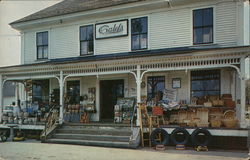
column 1, row 97
column 61, row 85
column 138, row 93
column 242, row 95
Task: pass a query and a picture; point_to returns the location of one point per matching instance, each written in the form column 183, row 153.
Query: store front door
column 110, row 91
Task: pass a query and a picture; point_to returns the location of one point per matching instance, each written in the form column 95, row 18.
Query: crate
column 157, row 111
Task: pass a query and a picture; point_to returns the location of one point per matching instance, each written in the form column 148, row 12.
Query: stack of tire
column 180, row 136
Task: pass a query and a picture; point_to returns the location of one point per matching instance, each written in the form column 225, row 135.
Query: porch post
column 138, row 92
column 61, row 85
column 1, row 97
column 242, row 95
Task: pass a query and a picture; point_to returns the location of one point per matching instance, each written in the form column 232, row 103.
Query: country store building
column 93, row 54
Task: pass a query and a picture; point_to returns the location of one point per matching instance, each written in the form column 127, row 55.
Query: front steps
column 96, row 135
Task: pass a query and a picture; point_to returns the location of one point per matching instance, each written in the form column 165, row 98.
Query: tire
column 201, row 142
column 164, row 134
column 178, row 131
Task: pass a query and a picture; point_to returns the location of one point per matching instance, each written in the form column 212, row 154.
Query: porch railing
column 51, row 122
column 132, row 138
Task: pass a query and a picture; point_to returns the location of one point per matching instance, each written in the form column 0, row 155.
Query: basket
column 218, row 102
column 230, row 120
column 229, row 103
column 216, row 123
column 229, row 114
column 200, row 124
column 230, row 123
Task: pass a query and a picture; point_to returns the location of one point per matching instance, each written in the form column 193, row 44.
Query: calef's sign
column 111, row 29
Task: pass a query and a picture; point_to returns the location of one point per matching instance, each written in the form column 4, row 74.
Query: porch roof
column 127, row 55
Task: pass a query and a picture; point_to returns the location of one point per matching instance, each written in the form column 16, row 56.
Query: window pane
column 144, row 41
column 45, row 52
column 39, row 39
column 208, row 35
column 144, row 23
column 205, row 83
column 90, row 33
column 197, row 16
column 136, row 27
column 91, row 46
column 155, row 86
column 45, row 38
column 135, row 42
column 198, row 38
column 83, row 31
column 84, row 47
column 40, row 52
column 208, row 16
column 73, row 92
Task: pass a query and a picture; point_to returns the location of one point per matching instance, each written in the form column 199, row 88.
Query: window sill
column 138, row 50
column 42, row 60
column 205, row 45
column 86, row 55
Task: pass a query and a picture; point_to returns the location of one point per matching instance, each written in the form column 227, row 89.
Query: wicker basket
column 216, row 123
column 230, row 123
column 230, row 120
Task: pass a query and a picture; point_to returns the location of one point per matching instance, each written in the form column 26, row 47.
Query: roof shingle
column 72, row 6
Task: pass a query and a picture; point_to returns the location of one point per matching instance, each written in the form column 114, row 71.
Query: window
column 40, row 91
column 9, row 89
column 42, row 45
column 203, row 26
column 73, row 92
column 86, row 40
column 139, row 33
column 205, row 83
column 155, row 86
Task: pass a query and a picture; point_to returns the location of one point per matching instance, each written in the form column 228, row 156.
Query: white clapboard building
column 98, row 50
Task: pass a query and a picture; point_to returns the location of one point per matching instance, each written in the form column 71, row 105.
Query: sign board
column 247, row 68
column 111, row 29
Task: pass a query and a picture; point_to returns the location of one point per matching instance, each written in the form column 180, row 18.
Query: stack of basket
column 215, row 117
column 230, row 120
column 228, row 102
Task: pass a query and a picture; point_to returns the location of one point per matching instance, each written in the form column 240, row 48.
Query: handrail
column 49, row 119
column 132, row 122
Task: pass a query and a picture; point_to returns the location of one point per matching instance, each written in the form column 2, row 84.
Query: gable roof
column 72, row 6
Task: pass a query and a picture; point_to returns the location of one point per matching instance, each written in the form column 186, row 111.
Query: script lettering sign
column 111, row 29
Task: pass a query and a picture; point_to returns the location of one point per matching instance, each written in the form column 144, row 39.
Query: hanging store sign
column 111, row 29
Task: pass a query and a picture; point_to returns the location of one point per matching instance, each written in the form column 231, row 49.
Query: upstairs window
column 86, row 40
column 139, row 33
column 42, row 45
column 203, row 26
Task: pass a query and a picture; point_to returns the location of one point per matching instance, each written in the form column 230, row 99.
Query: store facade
column 89, row 63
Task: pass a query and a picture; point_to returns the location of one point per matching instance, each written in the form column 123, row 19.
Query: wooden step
column 91, row 143
column 91, row 137
column 94, row 131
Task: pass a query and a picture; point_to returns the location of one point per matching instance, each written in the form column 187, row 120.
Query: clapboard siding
column 65, row 42
column 225, row 24
column 112, row 45
column 170, row 29
column 167, row 28
column 30, row 47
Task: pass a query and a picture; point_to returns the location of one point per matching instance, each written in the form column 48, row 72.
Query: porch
column 74, row 82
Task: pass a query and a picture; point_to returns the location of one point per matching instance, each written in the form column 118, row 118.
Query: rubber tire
column 196, row 133
column 164, row 134
column 180, row 130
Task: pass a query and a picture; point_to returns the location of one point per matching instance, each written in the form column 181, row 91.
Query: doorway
column 110, row 91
